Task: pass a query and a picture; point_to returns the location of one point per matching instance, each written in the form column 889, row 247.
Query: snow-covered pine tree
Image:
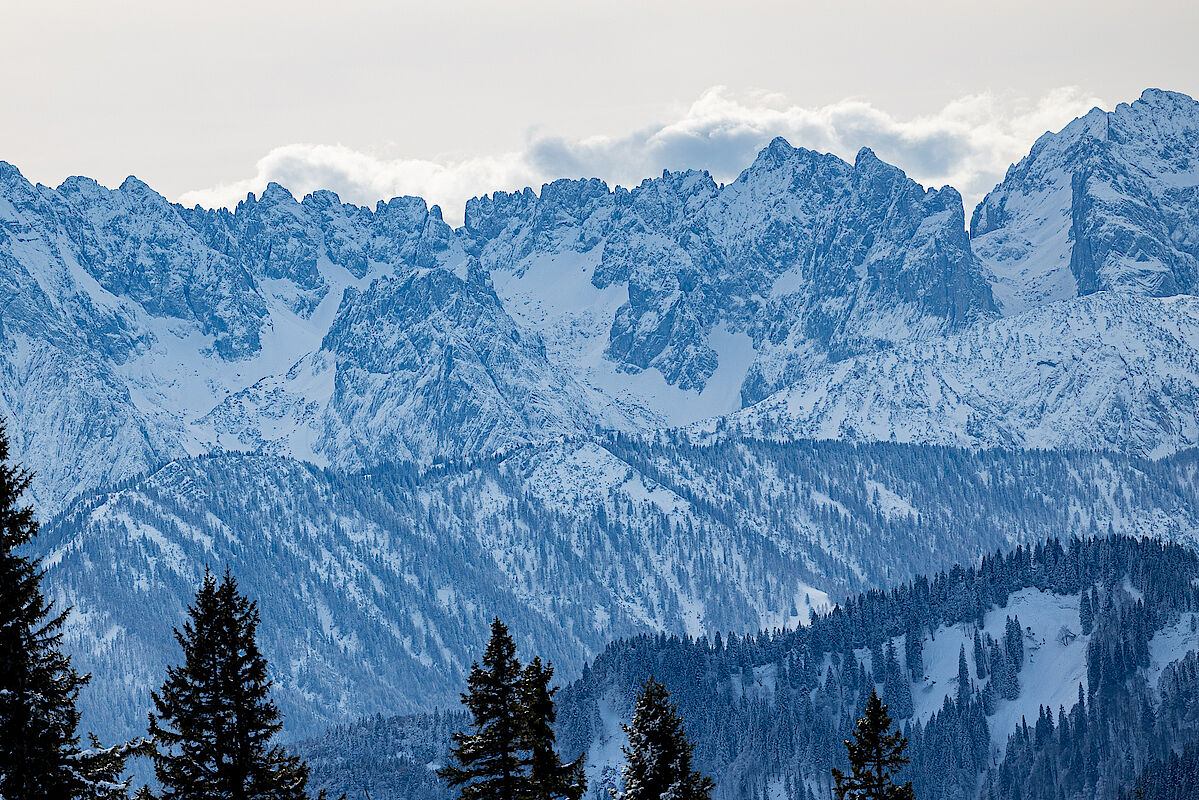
column 658, row 755
column 1013, row 642
column 1003, row 673
column 40, row 756
column 215, row 722
column 548, row 777
column 913, row 649
column 876, row 754
column 487, row 763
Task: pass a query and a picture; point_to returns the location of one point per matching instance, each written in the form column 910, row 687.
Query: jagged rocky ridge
column 804, row 255
column 136, row 330
column 1110, row 202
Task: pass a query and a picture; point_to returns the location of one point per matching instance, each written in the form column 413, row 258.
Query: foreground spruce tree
column 215, row 721
column 658, row 756
column 549, row 778
column 875, row 755
column 487, row 763
column 40, row 756
column 509, row 753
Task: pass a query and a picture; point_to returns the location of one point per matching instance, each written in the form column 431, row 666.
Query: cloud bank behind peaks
column 968, row 144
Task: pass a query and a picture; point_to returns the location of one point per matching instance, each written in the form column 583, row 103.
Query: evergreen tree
column 896, row 687
column 549, row 778
column 214, row 721
column 1013, row 641
column 965, row 688
column 658, row 756
column 1086, row 613
column 875, row 755
column 1003, row 674
column 40, row 756
column 980, row 657
column 487, row 763
column 913, row 650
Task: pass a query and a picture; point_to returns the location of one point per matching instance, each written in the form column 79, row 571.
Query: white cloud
column 968, row 144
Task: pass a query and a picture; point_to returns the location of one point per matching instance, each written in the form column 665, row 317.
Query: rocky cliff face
column 414, row 367
column 1110, row 202
column 805, row 256
column 342, row 335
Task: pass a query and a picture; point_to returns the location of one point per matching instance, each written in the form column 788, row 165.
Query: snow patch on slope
column 1108, row 371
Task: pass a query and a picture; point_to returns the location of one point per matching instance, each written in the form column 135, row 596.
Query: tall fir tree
column 896, row 687
column 548, row 777
column 913, row 650
column 40, row 755
column 965, row 687
column 1003, row 673
column 980, row 657
column 875, row 756
column 487, row 763
column 215, row 722
column 1086, row 613
column 1013, row 642
column 658, row 755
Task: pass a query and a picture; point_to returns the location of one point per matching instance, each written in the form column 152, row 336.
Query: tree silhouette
column 40, row 753
column 875, row 755
column 549, row 778
column 487, row 763
column 510, row 753
column 215, row 722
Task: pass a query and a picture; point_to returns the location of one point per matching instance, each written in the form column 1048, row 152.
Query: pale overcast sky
column 205, row 101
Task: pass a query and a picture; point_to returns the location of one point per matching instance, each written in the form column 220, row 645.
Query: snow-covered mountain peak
column 276, row 193
column 575, row 306
column 867, row 158
column 1108, row 202
column 134, row 185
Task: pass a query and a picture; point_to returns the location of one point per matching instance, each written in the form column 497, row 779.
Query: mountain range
column 599, row 411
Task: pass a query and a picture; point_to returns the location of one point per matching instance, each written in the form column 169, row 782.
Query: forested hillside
column 1059, row 670
column 377, row 585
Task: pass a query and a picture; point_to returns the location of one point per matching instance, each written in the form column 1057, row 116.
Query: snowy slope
column 376, row 587
column 1112, row 371
column 1054, row 664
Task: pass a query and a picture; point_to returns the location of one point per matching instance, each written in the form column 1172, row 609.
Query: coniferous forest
column 767, row 714
column 756, row 716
